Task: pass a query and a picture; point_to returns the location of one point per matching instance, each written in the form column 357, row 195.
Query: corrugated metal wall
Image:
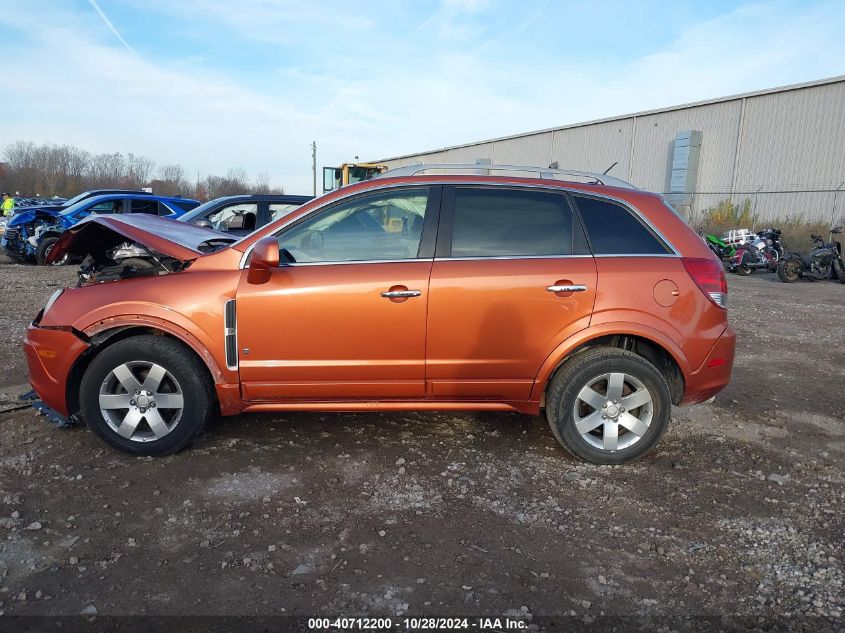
column 786, row 144
column 596, row 147
column 794, row 138
column 655, row 136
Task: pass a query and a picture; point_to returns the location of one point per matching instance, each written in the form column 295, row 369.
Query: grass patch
column 795, row 229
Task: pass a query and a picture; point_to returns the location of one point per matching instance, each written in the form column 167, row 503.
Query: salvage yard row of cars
column 33, row 231
column 571, row 294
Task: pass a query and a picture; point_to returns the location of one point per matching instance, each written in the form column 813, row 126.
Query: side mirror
column 265, row 257
column 204, row 223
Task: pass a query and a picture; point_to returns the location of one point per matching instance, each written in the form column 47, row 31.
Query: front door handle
column 573, row 288
column 400, row 294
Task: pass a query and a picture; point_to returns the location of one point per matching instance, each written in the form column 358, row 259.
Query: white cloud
column 382, row 94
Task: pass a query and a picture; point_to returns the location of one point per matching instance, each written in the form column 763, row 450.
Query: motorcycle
column 725, row 246
column 722, row 249
column 763, row 251
column 823, row 262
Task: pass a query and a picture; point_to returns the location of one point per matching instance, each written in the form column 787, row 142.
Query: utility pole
column 314, row 164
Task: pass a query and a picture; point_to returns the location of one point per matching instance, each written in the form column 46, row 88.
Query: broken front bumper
column 50, row 357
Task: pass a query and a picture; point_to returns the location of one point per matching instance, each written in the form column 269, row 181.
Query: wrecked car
column 135, row 245
column 241, row 214
column 594, row 304
column 31, row 234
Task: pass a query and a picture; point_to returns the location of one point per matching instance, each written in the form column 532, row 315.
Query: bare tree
column 66, row 170
column 21, row 167
column 262, row 183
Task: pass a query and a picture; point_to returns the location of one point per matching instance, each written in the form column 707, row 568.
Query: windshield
column 79, row 205
column 200, row 210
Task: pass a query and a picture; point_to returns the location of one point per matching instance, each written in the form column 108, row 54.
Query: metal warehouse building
column 781, row 149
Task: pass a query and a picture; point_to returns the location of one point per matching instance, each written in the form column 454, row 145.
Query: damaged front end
column 25, row 231
column 121, row 247
column 126, row 260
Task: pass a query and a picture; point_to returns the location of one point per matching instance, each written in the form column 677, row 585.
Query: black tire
column 182, row 365
column 581, row 371
column 743, row 270
column 840, row 271
column 44, row 248
column 789, row 270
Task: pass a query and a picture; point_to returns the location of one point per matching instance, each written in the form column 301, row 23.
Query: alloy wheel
column 141, row 401
column 613, row 411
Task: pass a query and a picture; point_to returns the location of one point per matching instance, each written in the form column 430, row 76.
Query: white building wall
column 532, row 150
column 654, row 141
column 794, row 139
column 595, row 147
column 781, row 143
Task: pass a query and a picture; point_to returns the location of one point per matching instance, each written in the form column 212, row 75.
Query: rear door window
column 514, row 223
column 144, row 206
column 107, row 207
column 614, row 230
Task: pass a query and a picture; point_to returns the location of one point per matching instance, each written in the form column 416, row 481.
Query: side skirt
column 526, row 407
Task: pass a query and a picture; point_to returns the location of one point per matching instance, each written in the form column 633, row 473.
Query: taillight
column 709, row 276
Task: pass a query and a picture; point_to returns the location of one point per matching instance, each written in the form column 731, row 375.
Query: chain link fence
column 798, row 212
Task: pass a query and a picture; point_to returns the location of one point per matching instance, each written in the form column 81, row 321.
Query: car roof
column 111, row 196
column 509, row 171
column 266, row 197
column 140, row 192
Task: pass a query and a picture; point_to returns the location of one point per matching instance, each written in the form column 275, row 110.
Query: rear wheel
column 789, row 270
column 146, row 395
column 44, row 247
column 743, row 269
column 608, row 406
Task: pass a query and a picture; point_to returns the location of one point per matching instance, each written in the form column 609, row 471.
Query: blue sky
column 214, row 84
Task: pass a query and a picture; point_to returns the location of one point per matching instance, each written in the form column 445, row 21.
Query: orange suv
column 524, row 291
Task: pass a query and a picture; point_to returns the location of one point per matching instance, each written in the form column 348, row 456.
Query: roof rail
column 476, row 168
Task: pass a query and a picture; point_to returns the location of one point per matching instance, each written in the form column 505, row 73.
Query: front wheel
column 608, row 406
column 146, row 395
column 43, row 251
column 789, row 270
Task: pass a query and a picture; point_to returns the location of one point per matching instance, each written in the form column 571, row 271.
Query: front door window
column 386, row 226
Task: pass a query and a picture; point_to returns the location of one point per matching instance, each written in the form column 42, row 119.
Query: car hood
column 41, row 207
column 28, row 215
column 97, row 234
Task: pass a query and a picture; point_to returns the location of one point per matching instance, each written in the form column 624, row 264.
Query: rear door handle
column 566, row 288
column 400, row 294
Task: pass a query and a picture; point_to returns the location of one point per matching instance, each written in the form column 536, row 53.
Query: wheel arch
column 104, row 338
column 663, row 354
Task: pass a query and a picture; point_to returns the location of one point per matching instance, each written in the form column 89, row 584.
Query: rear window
column 499, row 223
column 185, row 205
column 614, row 230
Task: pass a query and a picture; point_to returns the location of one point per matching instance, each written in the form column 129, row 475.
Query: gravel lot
column 740, row 510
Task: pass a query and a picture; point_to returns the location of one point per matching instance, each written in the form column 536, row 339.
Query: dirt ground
column 739, row 511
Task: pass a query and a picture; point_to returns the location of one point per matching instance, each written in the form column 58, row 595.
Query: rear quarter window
column 614, row 230
column 184, row 205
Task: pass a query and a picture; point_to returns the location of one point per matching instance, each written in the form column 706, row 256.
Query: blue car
column 31, row 234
